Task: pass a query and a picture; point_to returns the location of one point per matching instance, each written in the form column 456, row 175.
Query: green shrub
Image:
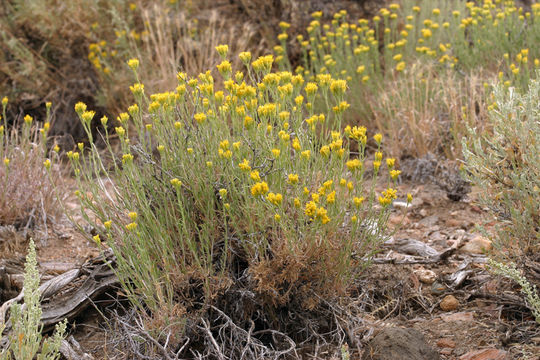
column 25, row 339
column 242, row 188
column 505, row 163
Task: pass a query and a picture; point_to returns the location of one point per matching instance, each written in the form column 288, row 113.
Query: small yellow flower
column 394, row 174
column 390, row 162
column 28, row 119
column 325, row 151
column 126, row 158
column 6, row 162
column 310, row 209
column 222, row 50
column 133, row 63
column 331, row 198
column 259, row 188
column 132, row 215
column 209, row 164
column 200, row 117
column 222, row 193
column 96, row 239
column 47, row 164
column 176, row 183
column 297, row 202
column 245, row 57
column 293, row 178
column 409, row 198
column 377, row 138
column 131, row 226
column 107, row 224
column 357, row 201
column 254, row 175
column 224, row 68
column 354, row 219
column 277, row 217
column 276, row 152
column 4, row 101
column 311, row 88
column 244, row 165
column 354, row 164
column 275, row 199
column 338, row 87
column 80, row 107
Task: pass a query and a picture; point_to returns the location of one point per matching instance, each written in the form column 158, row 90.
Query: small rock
column 485, row 354
column 449, row 303
column 446, row 343
column 426, row 276
column 401, row 204
column 398, row 343
column 429, row 221
column 460, row 316
column 399, row 219
column 453, row 222
column 437, row 288
column 477, row 245
column 446, row 351
column 423, row 212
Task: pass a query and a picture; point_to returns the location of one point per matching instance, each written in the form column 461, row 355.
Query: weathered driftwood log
column 65, row 296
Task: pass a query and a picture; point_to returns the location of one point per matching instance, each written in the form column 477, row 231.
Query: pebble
column 437, row 288
column 453, row 222
column 429, row 221
column 426, row 276
column 401, row 204
column 477, row 245
column 449, row 303
column 459, row 316
column 484, row 354
column 446, row 343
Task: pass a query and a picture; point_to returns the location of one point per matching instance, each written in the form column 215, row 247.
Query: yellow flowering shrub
column 250, row 176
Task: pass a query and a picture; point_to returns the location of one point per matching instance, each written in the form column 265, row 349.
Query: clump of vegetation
column 418, row 70
column 529, row 290
column 28, row 172
column 246, row 191
column 25, row 340
column 505, row 163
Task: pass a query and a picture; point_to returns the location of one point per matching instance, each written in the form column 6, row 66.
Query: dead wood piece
column 60, row 301
column 415, row 247
column 71, row 350
column 425, row 254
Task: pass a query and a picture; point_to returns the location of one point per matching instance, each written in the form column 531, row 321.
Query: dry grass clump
column 29, row 175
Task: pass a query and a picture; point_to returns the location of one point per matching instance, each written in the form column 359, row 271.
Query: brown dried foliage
column 28, row 197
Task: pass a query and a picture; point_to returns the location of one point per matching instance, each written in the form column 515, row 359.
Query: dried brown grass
column 430, row 116
column 28, row 197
